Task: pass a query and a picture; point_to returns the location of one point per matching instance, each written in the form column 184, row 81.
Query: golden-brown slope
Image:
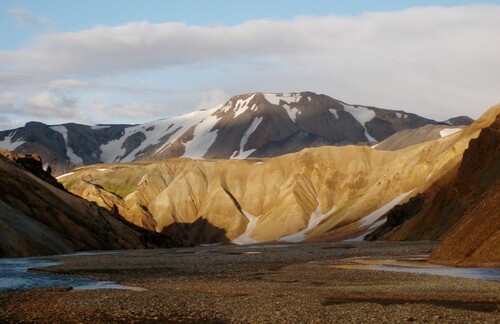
column 413, row 136
column 216, row 199
column 449, row 197
column 37, row 218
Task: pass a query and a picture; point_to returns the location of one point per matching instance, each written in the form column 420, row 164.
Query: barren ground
column 275, row 284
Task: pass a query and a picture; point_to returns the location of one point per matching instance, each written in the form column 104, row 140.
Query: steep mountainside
column 409, row 137
column 475, row 239
column 467, row 194
column 251, row 125
column 38, row 218
column 327, row 193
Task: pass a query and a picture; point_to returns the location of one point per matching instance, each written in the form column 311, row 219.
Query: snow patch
column 292, row 112
column 372, row 220
column 314, row 220
column 98, row 127
column 242, row 105
column 398, row 115
column 362, row 115
column 113, row 151
column 449, row 131
column 242, row 154
column 64, row 175
column 7, row 143
column 75, row 159
column 203, row 138
column 334, row 112
column 245, row 237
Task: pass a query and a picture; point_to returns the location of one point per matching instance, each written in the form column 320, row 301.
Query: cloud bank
column 435, row 61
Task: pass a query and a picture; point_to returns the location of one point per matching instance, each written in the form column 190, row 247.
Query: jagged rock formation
column 327, row 193
column 38, row 218
column 250, row 125
column 465, row 200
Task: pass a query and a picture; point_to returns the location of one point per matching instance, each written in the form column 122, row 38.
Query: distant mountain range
column 250, row 125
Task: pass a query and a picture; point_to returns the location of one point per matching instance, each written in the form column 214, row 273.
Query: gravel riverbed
column 255, row 284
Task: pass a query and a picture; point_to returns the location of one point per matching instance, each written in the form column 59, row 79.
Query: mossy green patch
column 120, row 189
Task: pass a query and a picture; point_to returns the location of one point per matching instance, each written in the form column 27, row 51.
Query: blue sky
column 133, row 61
column 78, row 15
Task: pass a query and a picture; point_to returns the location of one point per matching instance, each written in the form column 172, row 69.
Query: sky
column 124, row 61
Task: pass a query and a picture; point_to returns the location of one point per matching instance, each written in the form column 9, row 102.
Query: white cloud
column 26, row 19
column 434, row 61
column 8, row 98
column 212, row 98
column 7, row 123
column 51, row 107
column 47, row 107
column 134, row 111
column 68, row 84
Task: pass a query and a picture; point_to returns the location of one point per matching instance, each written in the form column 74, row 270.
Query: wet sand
column 275, row 284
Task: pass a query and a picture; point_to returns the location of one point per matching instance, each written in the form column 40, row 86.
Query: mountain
column 250, row 125
column 328, row 193
column 38, row 217
column 461, row 206
column 419, row 135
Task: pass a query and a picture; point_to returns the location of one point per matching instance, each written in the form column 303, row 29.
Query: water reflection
column 14, row 275
column 418, row 265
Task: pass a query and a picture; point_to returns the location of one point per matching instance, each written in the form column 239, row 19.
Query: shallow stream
column 419, row 265
column 14, row 275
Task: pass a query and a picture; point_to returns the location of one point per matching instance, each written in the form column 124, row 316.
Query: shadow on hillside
column 200, row 231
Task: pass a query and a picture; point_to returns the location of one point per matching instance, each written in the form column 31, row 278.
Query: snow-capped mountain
column 250, row 125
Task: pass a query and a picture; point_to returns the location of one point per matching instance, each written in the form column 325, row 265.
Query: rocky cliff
column 475, row 239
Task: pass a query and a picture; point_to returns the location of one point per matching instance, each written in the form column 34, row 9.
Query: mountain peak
column 247, row 125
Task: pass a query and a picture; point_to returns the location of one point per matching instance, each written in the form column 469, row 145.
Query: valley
column 256, row 283
column 249, row 161
column 263, row 239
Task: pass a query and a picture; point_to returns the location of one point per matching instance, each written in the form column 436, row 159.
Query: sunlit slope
column 333, row 187
column 447, row 199
column 463, row 207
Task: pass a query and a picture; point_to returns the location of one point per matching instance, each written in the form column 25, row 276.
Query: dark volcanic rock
column 397, row 216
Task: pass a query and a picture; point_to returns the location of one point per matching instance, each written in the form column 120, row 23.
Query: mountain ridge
column 329, row 193
column 249, row 125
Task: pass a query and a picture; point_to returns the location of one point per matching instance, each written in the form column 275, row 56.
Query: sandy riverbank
column 255, row 284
